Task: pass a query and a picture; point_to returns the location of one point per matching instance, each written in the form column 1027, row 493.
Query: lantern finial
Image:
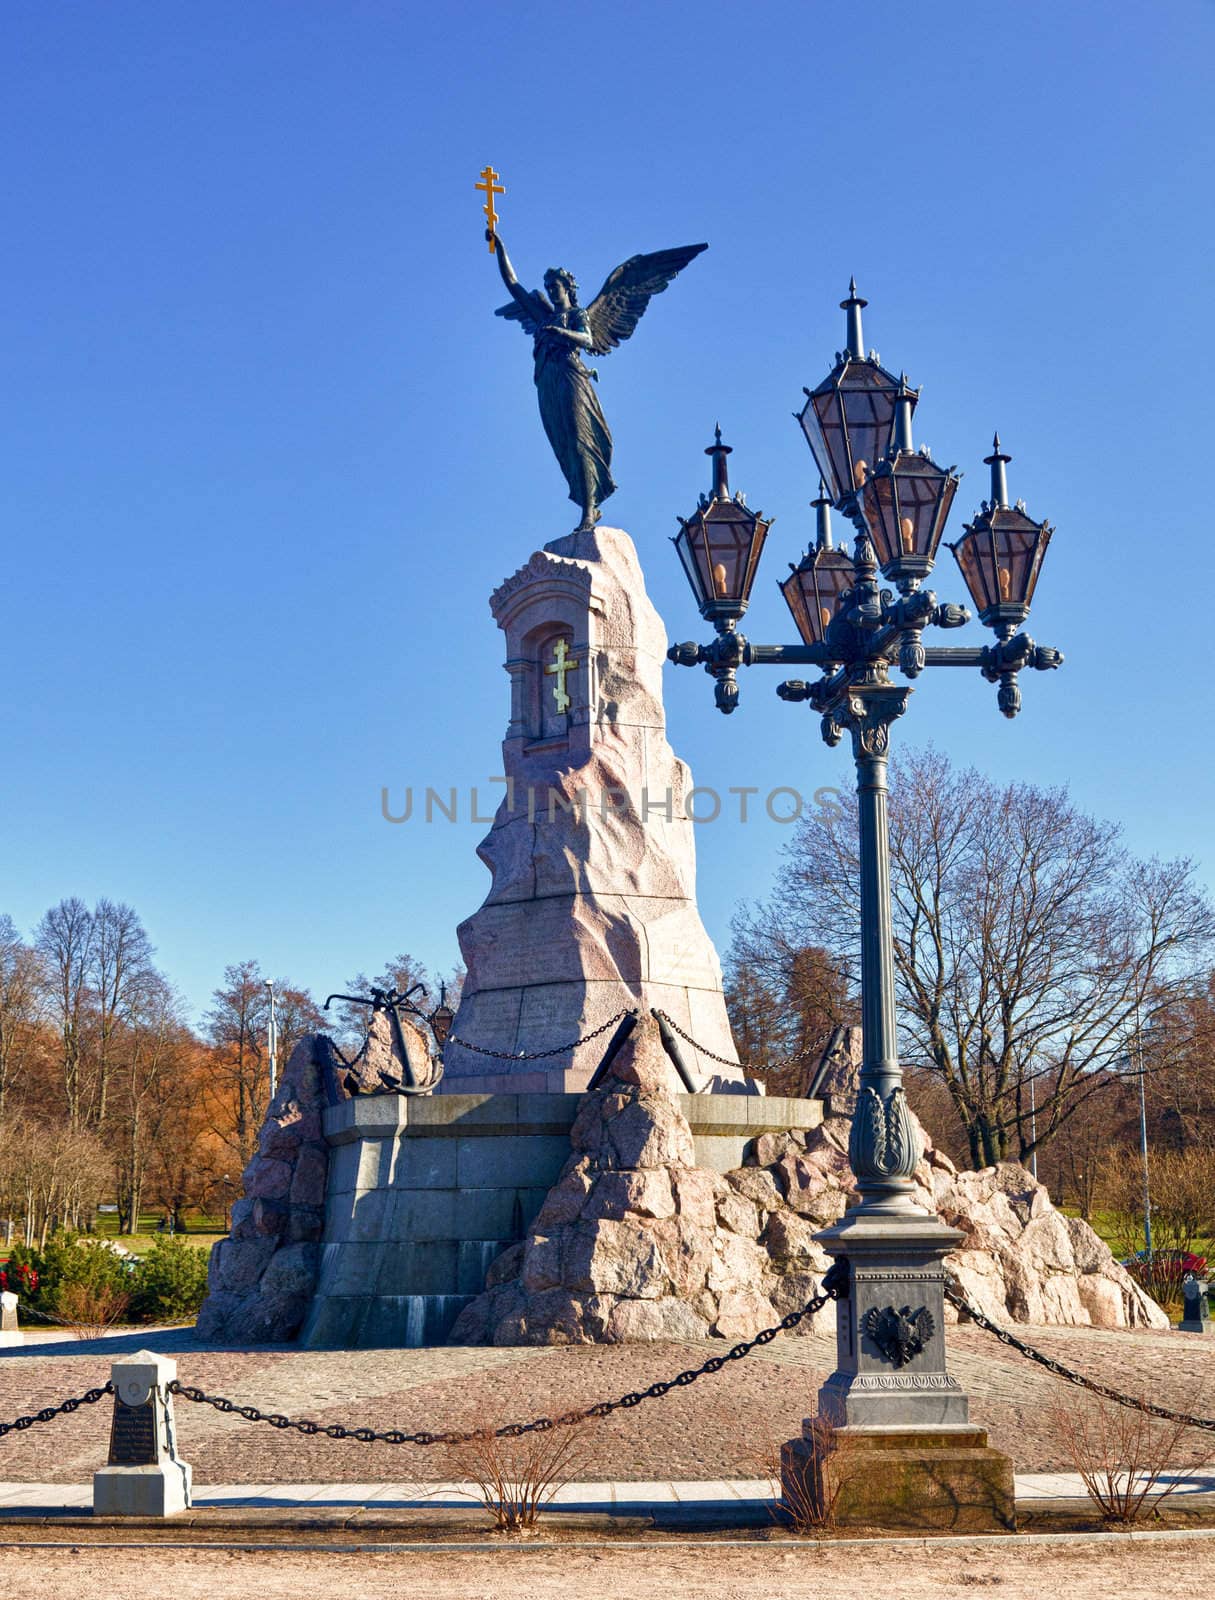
column 853, row 306
column 997, row 461
column 719, row 452
column 822, row 509
column 902, row 415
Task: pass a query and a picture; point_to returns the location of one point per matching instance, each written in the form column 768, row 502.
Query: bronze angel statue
column 561, row 330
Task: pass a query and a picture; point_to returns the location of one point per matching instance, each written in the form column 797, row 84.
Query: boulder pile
column 262, row 1276
column 636, row 1242
column 261, row 1279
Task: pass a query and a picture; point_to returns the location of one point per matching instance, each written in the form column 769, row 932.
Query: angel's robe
column 571, row 413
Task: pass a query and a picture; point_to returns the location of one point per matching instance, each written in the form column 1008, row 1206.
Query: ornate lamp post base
column 892, row 1443
column 890, row 1331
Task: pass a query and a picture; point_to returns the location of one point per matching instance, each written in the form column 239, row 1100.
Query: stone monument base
column 946, row 1478
column 424, row 1192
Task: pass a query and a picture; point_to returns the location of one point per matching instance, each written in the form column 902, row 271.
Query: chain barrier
column 747, row 1066
column 49, row 1413
column 834, row 1288
column 536, row 1055
column 1068, row 1374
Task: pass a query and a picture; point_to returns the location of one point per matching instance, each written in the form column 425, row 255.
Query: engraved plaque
column 133, row 1440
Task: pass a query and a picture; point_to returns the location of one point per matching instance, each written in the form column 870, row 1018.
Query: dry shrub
column 89, row 1309
column 516, row 1477
column 1122, row 1455
column 807, row 1486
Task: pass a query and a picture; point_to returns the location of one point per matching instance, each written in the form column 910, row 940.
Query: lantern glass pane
column 978, row 568
column 1020, row 545
column 881, row 516
column 848, row 422
column 729, row 531
column 799, row 607
column 867, row 396
column 814, row 590
column 686, row 542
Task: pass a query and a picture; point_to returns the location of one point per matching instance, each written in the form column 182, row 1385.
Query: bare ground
column 1015, row 1570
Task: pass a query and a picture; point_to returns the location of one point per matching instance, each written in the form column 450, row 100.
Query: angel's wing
column 531, row 309
column 617, row 308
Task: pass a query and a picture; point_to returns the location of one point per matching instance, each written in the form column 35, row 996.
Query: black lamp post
column 890, row 1370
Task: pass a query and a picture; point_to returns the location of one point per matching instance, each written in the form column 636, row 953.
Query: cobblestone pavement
column 723, row 1426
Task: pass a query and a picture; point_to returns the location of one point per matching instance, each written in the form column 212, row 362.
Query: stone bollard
column 1197, row 1317
column 10, row 1333
column 143, row 1477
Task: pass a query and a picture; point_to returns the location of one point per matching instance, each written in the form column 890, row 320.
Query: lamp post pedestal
column 890, row 1331
column 892, row 1444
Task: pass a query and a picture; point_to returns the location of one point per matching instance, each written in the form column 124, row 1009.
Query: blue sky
column 266, row 451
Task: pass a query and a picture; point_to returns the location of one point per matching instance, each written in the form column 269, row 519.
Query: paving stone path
column 723, row 1426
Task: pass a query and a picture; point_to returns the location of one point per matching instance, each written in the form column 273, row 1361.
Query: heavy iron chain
column 536, row 1055
column 834, row 1288
column 49, row 1413
column 751, row 1066
column 964, row 1303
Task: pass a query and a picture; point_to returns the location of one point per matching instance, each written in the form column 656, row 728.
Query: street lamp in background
column 272, row 1039
column 1143, row 1146
column 890, row 1397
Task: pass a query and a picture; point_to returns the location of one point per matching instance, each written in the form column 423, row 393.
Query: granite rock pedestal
column 592, row 909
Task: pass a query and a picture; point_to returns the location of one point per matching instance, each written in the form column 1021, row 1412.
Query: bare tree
column 236, row 1027
column 240, row 1070
column 119, row 972
column 64, row 940
column 784, row 997
column 152, row 1060
column 52, row 1174
column 21, row 1007
column 401, row 973
column 1029, row 945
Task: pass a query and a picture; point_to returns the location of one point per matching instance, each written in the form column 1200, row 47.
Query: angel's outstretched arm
column 505, row 268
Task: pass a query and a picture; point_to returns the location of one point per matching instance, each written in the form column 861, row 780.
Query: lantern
column 849, row 419
column 1001, row 553
column 816, row 586
column 720, row 546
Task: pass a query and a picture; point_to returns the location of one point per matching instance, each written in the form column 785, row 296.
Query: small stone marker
column 143, row 1477
column 1197, row 1318
column 10, row 1333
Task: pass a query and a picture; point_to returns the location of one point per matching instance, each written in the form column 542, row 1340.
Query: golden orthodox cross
column 491, row 187
column 561, row 663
